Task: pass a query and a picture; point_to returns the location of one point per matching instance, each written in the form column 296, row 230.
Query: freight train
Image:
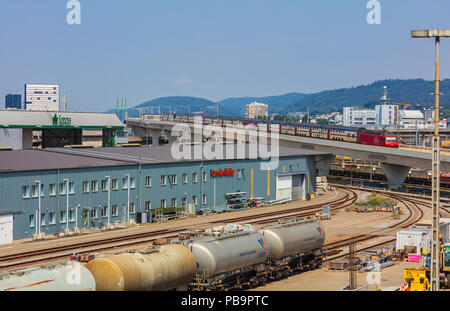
column 357, row 135
column 230, row 257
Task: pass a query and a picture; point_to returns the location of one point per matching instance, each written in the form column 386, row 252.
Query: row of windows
column 174, row 201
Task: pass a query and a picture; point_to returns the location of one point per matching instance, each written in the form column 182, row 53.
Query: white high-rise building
column 255, row 110
column 44, row 97
column 386, row 115
column 359, row 117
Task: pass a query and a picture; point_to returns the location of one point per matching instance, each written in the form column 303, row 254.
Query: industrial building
column 13, row 101
column 82, row 188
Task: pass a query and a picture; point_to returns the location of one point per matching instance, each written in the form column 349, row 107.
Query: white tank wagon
column 166, row 267
column 71, row 276
column 294, row 244
column 229, row 259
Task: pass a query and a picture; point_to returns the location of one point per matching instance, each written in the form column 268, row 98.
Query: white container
column 418, row 238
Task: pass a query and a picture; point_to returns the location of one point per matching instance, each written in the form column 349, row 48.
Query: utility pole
column 435, row 251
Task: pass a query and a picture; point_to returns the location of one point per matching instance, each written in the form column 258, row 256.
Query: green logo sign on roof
column 60, row 121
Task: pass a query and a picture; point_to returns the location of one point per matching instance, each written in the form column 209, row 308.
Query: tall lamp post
column 434, row 269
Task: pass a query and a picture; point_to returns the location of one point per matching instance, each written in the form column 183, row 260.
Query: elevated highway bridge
column 395, row 162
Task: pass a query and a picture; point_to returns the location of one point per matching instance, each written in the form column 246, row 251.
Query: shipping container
column 415, row 238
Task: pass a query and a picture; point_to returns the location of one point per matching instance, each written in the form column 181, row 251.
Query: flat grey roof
column 67, row 158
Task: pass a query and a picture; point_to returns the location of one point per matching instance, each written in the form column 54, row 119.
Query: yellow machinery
column 417, row 279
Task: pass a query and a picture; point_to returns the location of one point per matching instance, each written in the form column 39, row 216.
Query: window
column 194, row 177
column 194, row 199
column 71, row 215
column 173, row 179
column 62, row 217
column 163, row 203
column 148, row 206
column 103, row 209
column 43, row 219
column 94, row 213
column 133, row 183
column 114, row 210
column 105, row 185
column 204, row 176
column 34, row 191
column 132, row 208
column 94, row 186
column 163, row 180
column 85, row 186
column 115, row 184
column 174, row 202
column 238, row 174
column 52, row 189
column 31, row 221
column 62, row 188
column 148, row 181
column 204, row 199
column 25, row 191
column 125, row 183
column 183, row 201
column 52, row 218
column 184, row 179
column 71, row 188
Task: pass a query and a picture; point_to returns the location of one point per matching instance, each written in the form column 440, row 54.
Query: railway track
column 34, row 257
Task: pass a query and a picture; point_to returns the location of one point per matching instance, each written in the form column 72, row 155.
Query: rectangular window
column 148, row 181
column 104, row 208
column 194, row 199
column 25, row 191
column 43, row 219
column 94, row 186
column 132, row 182
column 62, row 188
column 85, row 186
column 163, row 203
column 32, row 221
column 52, row 189
column 125, row 183
column 34, row 191
column 174, row 202
column 62, row 217
column 71, row 188
column 194, row 177
column 71, row 215
column 204, row 199
column 163, row 180
column 132, row 208
column 204, row 176
column 173, row 179
column 105, row 185
column 114, row 210
column 238, row 174
column 183, row 201
column 94, row 213
column 148, row 206
column 52, row 218
column 115, row 184
column 184, row 179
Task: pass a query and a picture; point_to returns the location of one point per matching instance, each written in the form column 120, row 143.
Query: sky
column 214, row 49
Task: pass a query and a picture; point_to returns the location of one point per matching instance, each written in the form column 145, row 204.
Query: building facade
column 358, row 117
column 43, row 97
column 386, row 115
column 13, row 101
column 255, row 110
column 75, row 185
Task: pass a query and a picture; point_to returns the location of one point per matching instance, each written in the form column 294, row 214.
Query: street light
column 434, row 269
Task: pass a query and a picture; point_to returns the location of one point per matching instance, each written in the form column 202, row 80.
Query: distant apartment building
column 255, row 110
column 353, row 116
column 386, row 115
column 13, row 101
column 43, row 97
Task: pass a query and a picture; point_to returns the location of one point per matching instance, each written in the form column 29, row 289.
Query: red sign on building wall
column 225, row 172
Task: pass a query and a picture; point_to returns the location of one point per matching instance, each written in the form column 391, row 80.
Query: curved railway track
column 34, row 257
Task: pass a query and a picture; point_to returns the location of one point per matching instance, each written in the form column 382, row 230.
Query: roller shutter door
column 297, row 187
column 284, row 187
column 6, row 229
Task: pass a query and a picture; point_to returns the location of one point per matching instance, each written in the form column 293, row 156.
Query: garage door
column 284, row 187
column 6, row 229
column 297, row 187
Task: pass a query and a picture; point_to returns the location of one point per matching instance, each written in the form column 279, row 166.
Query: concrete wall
column 11, row 138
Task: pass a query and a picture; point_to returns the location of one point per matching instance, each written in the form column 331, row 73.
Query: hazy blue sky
column 144, row 49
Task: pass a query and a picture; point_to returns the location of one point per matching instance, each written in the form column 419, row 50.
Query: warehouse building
column 82, row 188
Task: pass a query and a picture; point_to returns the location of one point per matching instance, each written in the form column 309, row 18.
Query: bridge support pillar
column 395, row 174
column 323, row 164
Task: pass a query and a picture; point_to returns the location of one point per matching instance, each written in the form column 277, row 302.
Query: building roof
column 410, row 114
column 67, row 158
column 57, row 119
